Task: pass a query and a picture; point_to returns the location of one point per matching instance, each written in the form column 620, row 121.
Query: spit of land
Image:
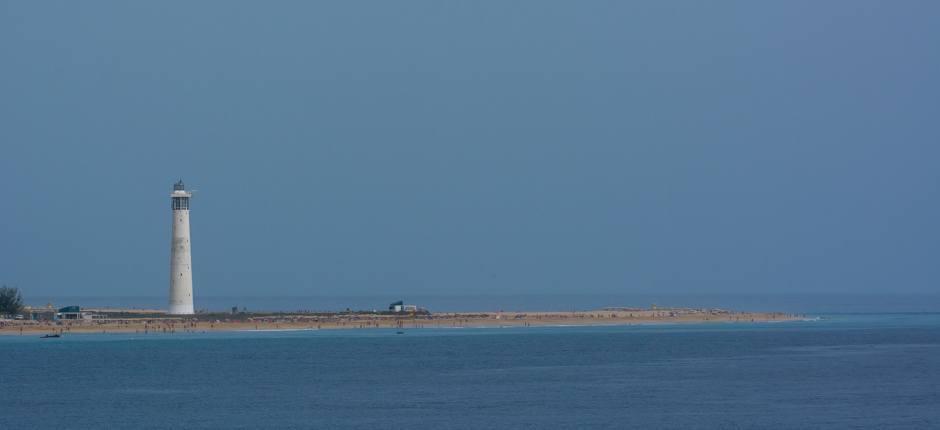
column 155, row 321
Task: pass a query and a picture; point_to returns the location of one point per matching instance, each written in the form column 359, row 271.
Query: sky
column 484, row 147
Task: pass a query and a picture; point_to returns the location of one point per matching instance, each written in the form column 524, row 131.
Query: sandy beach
column 155, row 323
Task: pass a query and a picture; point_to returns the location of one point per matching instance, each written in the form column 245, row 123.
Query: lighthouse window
column 180, row 203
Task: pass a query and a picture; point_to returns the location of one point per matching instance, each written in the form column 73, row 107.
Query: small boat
column 400, row 332
column 50, row 336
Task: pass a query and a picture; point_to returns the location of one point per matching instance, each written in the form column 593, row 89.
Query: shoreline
column 167, row 324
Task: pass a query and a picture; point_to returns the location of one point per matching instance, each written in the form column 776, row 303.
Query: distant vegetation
column 10, row 300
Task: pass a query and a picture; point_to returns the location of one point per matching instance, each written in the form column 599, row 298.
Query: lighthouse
column 181, row 263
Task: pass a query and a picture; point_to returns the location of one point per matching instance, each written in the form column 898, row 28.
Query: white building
column 181, row 265
column 400, row 306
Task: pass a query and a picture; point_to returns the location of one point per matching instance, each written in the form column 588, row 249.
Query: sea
column 826, row 371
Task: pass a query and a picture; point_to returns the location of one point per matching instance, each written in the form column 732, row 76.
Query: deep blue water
column 844, row 371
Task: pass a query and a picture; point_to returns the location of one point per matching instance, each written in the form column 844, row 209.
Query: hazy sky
column 356, row 147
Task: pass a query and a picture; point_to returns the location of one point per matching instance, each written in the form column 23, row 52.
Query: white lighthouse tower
column 181, row 263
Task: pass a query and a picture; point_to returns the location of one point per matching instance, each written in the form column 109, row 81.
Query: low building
column 400, row 306
column 75, row 313
column 47, row 313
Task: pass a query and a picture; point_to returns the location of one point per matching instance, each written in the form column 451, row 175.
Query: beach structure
column 181, row 265
column 72, row 313
column 400, row 306
column 47, row 313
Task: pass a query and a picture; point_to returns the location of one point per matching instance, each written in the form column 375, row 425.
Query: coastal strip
column 138, row 321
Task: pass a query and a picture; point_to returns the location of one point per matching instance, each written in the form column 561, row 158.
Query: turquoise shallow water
column 841, row 371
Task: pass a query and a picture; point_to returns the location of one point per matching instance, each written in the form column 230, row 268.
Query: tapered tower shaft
column 181, row 264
